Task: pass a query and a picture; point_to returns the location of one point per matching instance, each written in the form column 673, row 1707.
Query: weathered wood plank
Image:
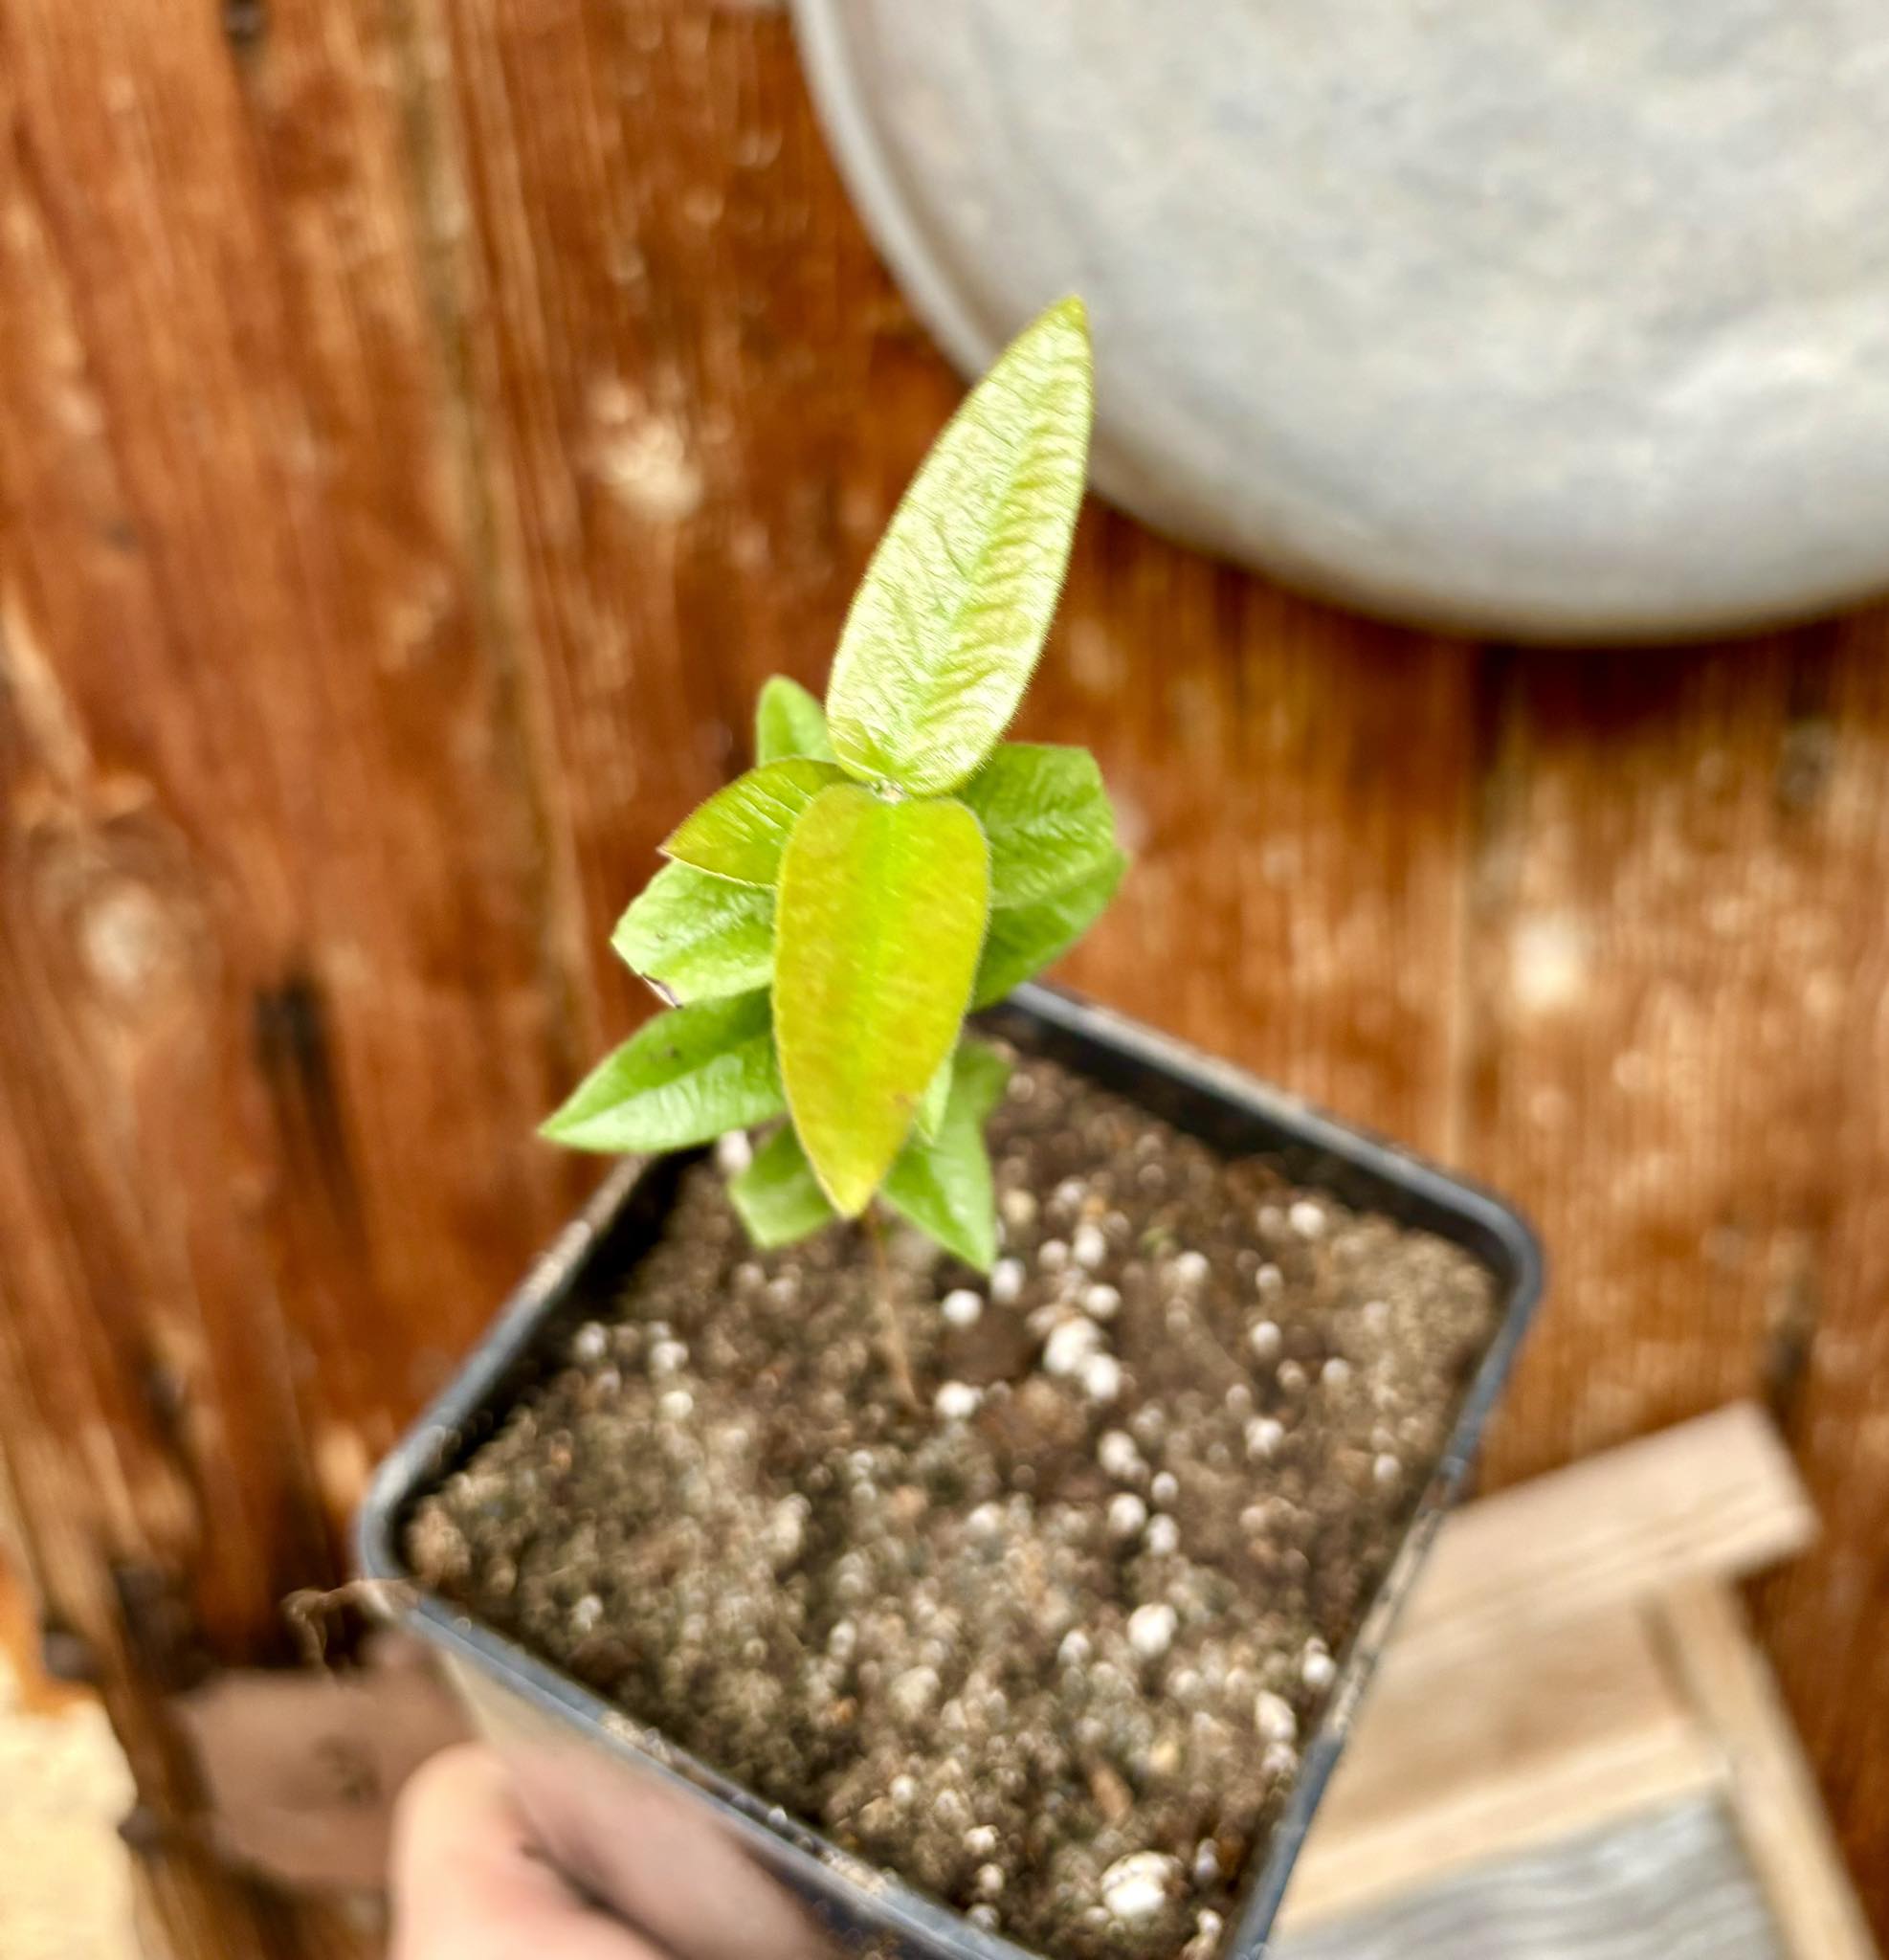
column 1715, row 1499
column 1678, row 1055
column 1464, row 1759
column 1773, row 1796
column 1822, row 1619
column 278, row 996
column 1656, row 942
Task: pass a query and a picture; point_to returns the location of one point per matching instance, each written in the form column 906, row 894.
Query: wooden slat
column 1460, row 1759
column 278, row 999
column 1714, row 1498
column 1772, row 1792
column 1521, row 1698
column 1821, row 1621
column 1680, row 964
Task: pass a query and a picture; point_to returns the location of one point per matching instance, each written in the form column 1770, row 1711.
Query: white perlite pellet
column 1017, row 1207
column 1007, row 1281
column 960, row 1306
column 786, row 1529
column 734, row 1153
column 1118, row 1455
column 1165, row 1488
column 1071, row 1345
column 1151, row 1629
column 1263, row 1338
column 1306, row 1217
column 1274, row 1719
column 1164, row 1536
column 1264, row 1434
column 914, row 1693
column 957, row 1401
column 1102, row 1303
column 1138, row 1885
column 1089, row 1246
column 1317, row 1669
column 1126, row 1515
column 1101, row 1378
column 1191, row 1268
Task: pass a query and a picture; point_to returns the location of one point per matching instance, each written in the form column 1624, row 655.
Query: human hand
column 469, row 1884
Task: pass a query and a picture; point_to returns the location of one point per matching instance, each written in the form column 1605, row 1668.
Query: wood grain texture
column 1464, row 1759
column 422, row 424
column 1678, row 1062
column 268, row 1055
column 1773, row 1796
column 1716, row 1498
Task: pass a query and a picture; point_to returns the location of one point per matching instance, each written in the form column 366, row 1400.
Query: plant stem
column 892, row 1336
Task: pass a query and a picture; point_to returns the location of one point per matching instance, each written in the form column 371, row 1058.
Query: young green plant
column 890, row 863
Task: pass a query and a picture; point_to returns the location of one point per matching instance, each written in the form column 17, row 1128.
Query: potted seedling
column 965, row 1465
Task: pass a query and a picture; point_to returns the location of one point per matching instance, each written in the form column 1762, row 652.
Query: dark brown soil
column 1046, row 1646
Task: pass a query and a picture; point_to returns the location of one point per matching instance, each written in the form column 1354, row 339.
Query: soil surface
column 1048, row 1644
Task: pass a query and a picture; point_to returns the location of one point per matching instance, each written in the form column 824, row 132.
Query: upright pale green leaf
column 741, row 832
column 944, row 1186
column 788, row 720
column 698, row 937
column 1025, row 939
column 951, row 617
column 686, row 1077
column 1046, row 817
column 880, row 922
column 778, row 1196
column 978, row 1080
column 937, row 1094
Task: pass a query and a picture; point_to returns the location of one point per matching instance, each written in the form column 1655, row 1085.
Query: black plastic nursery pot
column 703, row 1866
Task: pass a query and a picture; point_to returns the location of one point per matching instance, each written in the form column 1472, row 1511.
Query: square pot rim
column 1487, row 1225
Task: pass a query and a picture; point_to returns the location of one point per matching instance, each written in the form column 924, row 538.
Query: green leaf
column 937, row 1094
column 778, row 1196
column 949, row 619
column 684, row 1077
column 1025, row 939
column 881, row 919
column 943, row 1187
column 1046, row 817
column 698, row 937
column 788, row 720
column 741, row 832
column 979, row 1080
